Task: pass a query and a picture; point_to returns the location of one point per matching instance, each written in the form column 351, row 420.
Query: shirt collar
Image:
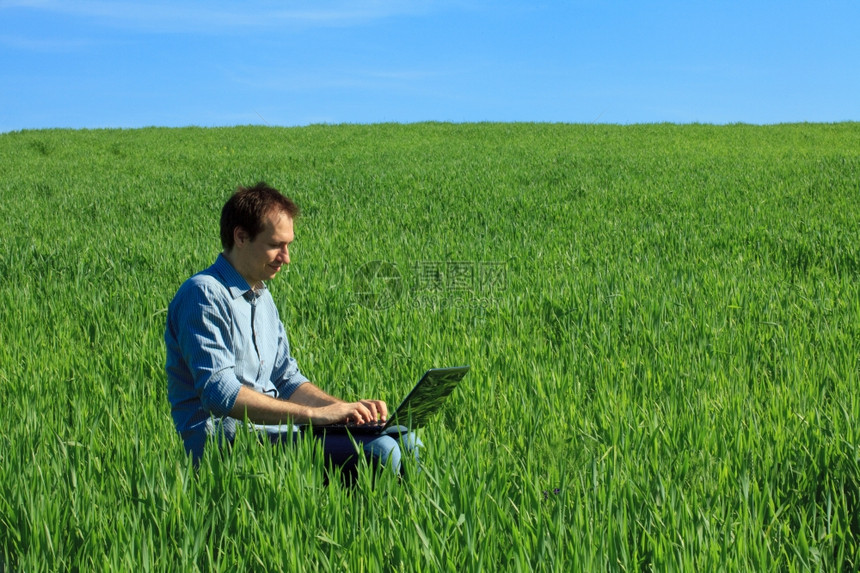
column 231, row 278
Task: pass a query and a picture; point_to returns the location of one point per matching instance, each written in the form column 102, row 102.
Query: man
column 228, row 357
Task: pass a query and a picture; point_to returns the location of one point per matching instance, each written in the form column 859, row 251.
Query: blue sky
column 135, row 63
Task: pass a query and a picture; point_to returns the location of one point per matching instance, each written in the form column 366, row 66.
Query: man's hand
column 360, row 412
column 378, row 410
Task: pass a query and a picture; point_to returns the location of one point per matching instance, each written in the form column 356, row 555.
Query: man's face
column 262, row 258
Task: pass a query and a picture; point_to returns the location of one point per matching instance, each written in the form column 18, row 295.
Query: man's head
column 248, row 208
column 256, row 231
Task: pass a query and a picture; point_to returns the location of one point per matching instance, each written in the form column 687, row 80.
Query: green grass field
column 663, row 324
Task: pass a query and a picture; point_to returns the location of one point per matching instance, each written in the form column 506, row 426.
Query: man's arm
column 309, row 394
column 307, row 404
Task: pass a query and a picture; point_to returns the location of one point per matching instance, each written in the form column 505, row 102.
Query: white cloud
column 198, row 16
column 302, row 81
column 20, row 42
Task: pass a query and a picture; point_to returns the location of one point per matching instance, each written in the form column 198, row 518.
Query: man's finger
column 363, row 413
column 371, row 407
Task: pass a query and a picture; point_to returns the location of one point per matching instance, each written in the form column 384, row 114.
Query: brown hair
column 247, row 207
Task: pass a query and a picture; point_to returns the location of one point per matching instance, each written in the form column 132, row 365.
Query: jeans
column 380, row 450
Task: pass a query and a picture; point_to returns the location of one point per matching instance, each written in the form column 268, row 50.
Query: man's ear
column 240, row 236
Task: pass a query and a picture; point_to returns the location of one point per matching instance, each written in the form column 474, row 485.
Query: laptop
column 422, row 402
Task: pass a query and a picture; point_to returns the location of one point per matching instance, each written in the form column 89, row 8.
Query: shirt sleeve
column 200, row 317
column 286, row 375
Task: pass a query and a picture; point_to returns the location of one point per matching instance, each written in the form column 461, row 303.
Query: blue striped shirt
column 221, row 335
